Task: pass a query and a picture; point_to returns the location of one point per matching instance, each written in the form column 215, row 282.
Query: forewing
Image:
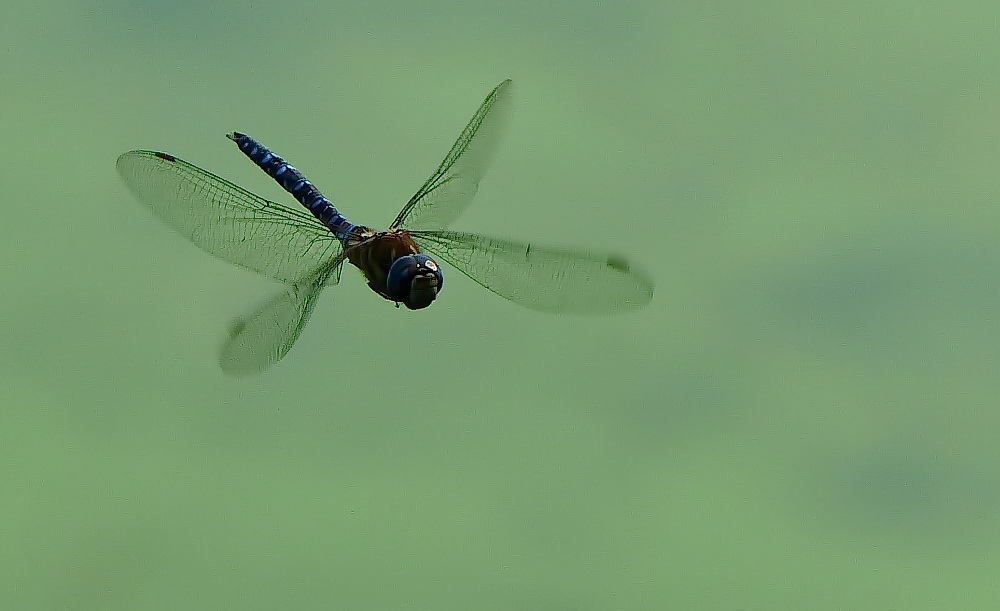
column 228, row 221
column 264, row 337
column 451, row 187
column 540, row 277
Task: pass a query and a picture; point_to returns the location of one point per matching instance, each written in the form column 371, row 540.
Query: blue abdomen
column 294, row 182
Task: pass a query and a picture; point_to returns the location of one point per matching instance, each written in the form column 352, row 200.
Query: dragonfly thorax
column 395, row 267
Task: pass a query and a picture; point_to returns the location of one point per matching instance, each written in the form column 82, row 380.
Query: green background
column 804, row 417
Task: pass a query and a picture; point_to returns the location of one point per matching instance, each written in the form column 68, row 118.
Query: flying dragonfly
column 305, row 248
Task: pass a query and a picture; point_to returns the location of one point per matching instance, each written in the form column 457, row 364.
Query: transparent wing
column 264, row 337
column 542, row 278
column 451, row 187
column 228, row 221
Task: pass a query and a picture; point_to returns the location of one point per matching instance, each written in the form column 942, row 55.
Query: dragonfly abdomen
column 293, row 181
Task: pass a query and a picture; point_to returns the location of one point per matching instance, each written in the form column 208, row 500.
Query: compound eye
column 414, row 281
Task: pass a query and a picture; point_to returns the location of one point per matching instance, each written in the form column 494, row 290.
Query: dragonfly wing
column 264, row 337
column 451, row 187
column 228, row 221
column 539, row 277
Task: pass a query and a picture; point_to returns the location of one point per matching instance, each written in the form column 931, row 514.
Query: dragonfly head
column 414, row 281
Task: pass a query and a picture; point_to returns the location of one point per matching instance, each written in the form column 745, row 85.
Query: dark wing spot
column 618, row 264
column 238, row 325
column 165, row 157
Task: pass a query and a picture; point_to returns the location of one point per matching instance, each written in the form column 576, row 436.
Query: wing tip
column 644, row 283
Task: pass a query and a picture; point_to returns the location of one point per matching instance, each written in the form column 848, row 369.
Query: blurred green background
column 805, row 416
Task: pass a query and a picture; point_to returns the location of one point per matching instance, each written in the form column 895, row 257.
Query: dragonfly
column 306, row 247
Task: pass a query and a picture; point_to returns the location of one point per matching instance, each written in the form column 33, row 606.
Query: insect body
column 305, row 247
